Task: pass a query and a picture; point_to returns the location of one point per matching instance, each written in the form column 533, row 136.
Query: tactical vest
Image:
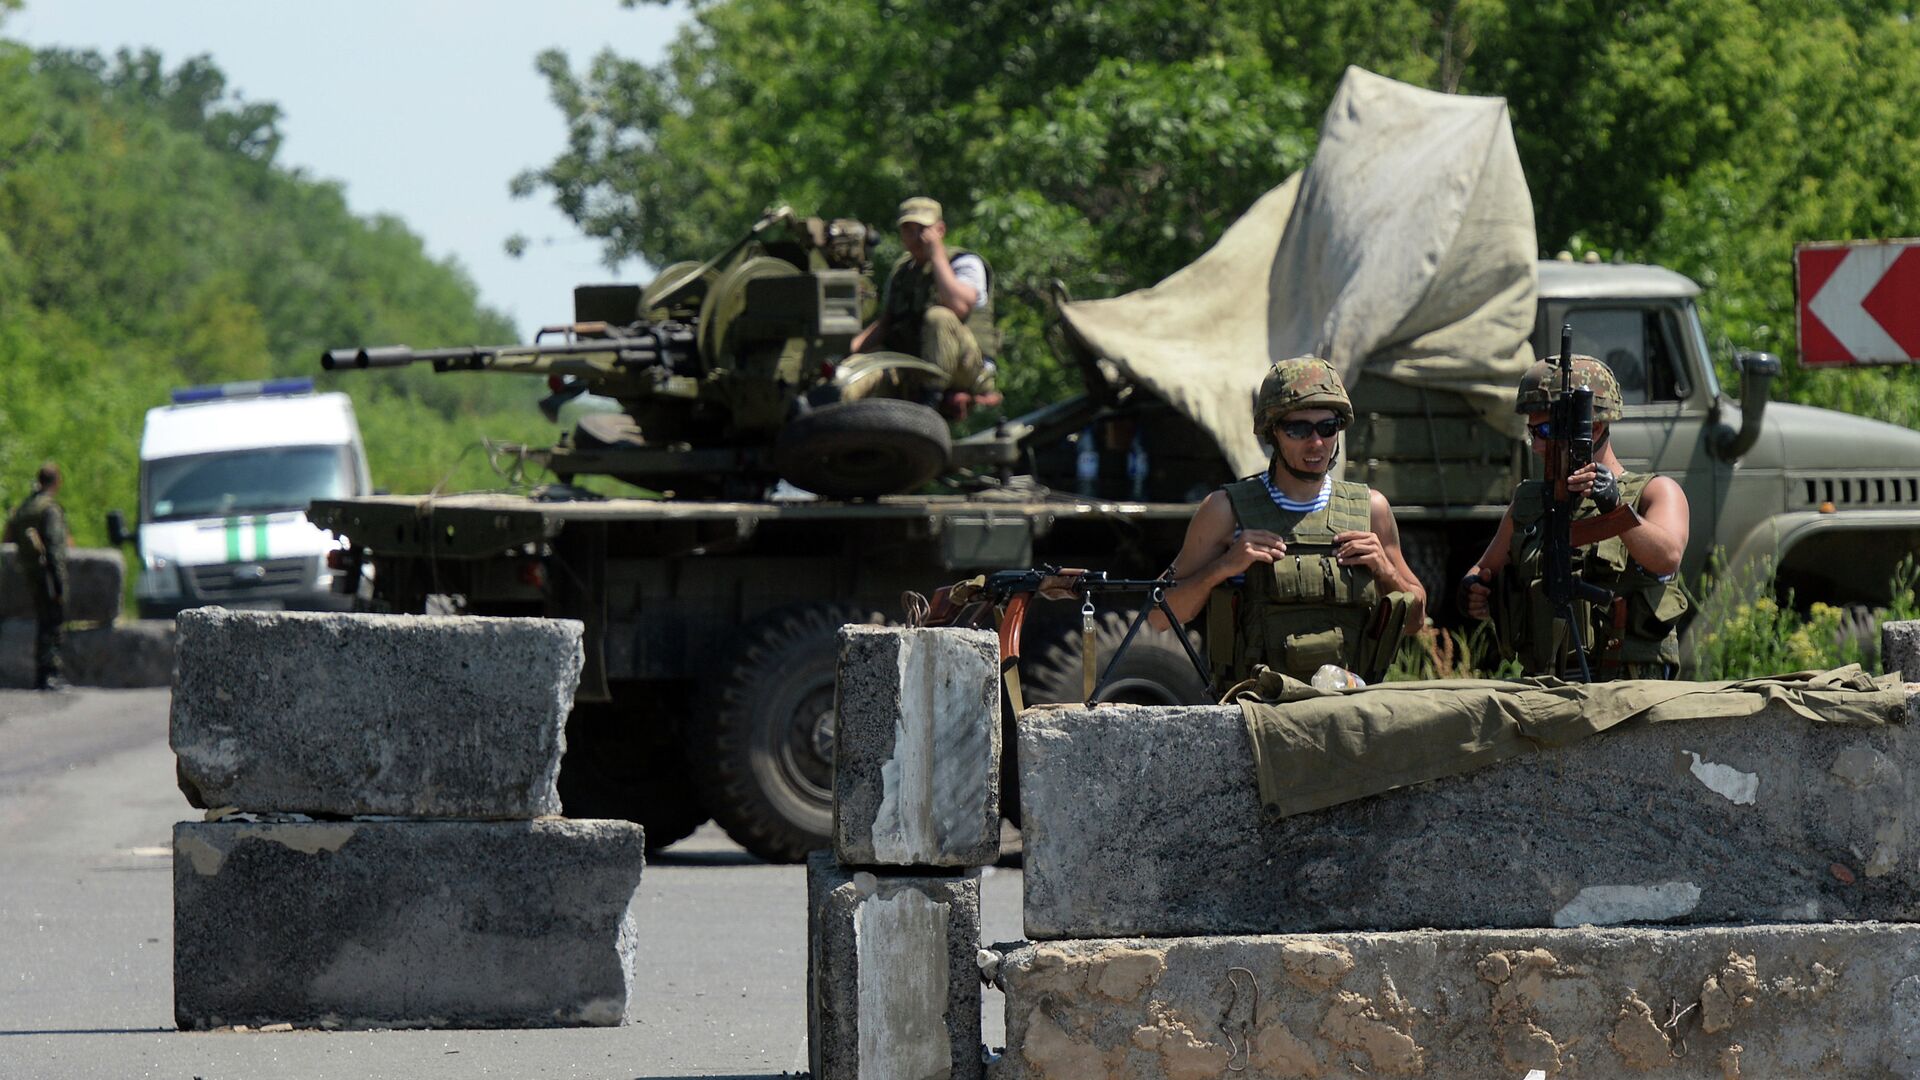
column 910, row 293
column 1631, row 638
column 41, row 514
column 1305, row 609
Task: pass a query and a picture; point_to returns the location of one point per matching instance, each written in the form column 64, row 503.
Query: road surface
column 87, row 806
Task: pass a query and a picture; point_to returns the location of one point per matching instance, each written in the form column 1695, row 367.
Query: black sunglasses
column 1300, row 429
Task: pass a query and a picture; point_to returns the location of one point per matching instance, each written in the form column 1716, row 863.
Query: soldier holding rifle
column 1580, row 579
column 38, row 530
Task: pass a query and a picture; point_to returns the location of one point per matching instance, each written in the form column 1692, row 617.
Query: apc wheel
column 766, row 755
column 612, row 769
column 1154, row 671
column 861, row 449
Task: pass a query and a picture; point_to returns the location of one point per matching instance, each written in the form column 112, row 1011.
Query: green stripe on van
column 259, row 538
column 233, row 539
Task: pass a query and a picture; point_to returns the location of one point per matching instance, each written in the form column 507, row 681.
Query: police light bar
column 258, row 388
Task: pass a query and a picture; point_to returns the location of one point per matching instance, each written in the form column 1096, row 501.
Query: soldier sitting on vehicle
column 1634, row 529
column 938, row 306
column 1324, row 579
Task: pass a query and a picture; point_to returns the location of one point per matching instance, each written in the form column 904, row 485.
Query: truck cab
column 226, row 473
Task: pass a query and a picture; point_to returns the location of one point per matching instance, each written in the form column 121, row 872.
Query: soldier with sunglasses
column 1294, row 568
column 1636, row 529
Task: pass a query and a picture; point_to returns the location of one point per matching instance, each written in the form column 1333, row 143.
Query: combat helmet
column 1541, row 385
column 1304, row 382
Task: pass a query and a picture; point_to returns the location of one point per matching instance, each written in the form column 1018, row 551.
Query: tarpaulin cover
column 1316, row 748
column 1406, row 248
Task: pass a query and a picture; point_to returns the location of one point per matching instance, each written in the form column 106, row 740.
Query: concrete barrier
column 135, row 653
column 429, row 716
column 404, row 924
column 893, row 979
column 1146, row 821
column 917, row 747
column 1900, row 649
column 1839, row 1000
column 95, row 577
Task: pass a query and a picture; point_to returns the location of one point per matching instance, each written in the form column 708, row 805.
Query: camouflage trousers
column 945, row 342
column 50, row 632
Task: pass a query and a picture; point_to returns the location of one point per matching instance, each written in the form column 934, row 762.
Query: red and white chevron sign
column 1859, row 302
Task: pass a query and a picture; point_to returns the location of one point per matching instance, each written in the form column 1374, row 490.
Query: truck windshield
column 245, row 481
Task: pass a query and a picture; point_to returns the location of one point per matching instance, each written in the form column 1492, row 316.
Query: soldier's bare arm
column 875, row 331
column 1379, row 551
column 1212, row 553
column 948, row 290
column 1474, row 593
column 1660, row 540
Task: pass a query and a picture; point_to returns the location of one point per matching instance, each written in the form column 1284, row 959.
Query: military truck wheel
column 1154, row 671
column 765, row 754
column 617, row 766
column 1426, row 552
column 861, row 449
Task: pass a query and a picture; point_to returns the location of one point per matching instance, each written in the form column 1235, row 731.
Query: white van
column 226, row 473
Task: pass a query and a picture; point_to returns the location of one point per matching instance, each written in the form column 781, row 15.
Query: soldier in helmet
column 938, row 306
column 1641, row 522
column 38, row 530
column 1322, row 580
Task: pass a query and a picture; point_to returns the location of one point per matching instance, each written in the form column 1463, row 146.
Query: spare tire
column 1155, row 670
column 862, row 449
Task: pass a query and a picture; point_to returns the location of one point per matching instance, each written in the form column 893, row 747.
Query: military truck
column 710, row 624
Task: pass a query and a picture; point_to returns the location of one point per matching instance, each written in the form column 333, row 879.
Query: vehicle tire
column 861, row 449
column 764, row 755
column 618, row 766
column 1154, row 671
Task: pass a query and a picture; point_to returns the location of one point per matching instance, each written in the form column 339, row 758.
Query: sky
column 424, row 109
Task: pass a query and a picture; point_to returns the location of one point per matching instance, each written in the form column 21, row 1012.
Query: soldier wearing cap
column 1322, row 579
column 1634, row 529
column 38, row 530
column 938, row 306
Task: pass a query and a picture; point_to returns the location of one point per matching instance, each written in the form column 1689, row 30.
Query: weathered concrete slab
column 94, row 580
column 135, row 653
column 404, row 924
column 1900, row 649
column 426, row 716
column 1147, row 821
column 893, row 977
column 916, row 776
column 1840, row 1000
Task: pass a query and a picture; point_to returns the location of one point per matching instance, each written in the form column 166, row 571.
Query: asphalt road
column 87, row 805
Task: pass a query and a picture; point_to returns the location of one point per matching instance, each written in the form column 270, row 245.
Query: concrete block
column 94, row 580
column 893, row 976
column 1820, row 1000
column 424, row 716
column 916, row 776
column 135, row 653
column 1900, row 649
column 1148, row 821
column 433, row 924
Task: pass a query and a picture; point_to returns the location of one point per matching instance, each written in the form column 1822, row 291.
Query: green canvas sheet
column 1317, row 748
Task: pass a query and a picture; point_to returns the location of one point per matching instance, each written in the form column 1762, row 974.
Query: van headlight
column 159, row 579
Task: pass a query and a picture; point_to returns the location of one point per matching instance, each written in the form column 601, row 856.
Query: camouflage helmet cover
column 1540, row 386
column 1304, row 382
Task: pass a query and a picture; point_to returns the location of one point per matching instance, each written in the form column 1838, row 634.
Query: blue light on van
column 258, row 388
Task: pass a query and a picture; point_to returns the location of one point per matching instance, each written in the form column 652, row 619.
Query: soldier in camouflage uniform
column 1295, row 569
column 938, row 306
column 1642, row 524
column 38, row 530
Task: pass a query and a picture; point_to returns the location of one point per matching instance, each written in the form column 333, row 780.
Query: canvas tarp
column 1317, row 748
column 1405, row 248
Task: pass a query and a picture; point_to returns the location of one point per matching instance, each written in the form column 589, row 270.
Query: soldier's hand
column 1597, row 482
column 1355, row 548
column 1251, row 546
column 1476, row 596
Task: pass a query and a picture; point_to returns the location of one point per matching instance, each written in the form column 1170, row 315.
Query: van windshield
column 245, row 481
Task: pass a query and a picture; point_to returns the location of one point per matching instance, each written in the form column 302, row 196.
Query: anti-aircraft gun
column 728, row 373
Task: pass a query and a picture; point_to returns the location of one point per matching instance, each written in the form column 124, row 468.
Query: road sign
column 1859, row 302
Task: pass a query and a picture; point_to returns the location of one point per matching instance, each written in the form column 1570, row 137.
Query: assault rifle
column 1570, row 417
column 1007, row 593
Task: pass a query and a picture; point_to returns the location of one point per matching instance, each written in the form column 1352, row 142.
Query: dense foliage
column 149, row 240
column 1106, row 142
